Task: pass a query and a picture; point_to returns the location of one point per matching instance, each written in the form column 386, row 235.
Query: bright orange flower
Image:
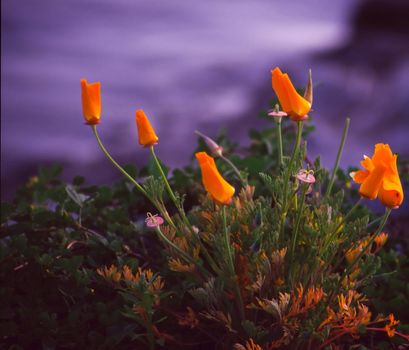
column 220, row 190
column 390, row 327
column 146, row 134
column 380, row 177
column 380, row 240
column 91, row 101
column 291, row 102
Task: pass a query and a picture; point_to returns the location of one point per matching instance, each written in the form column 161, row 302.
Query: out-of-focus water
column 190, row 65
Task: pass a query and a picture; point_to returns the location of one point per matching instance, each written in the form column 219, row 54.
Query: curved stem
column 350, row 267
column 165, row 180
column 280, row 143
column 339, row 154
column 347, row 216
column 182, row 213
column 173, row 245
column 378, row 231
column 333, row 233
column 130, row 178
column 237, row 172
column 373, row 222
column 184, row 255
column 239, row 300
column 297, row 226
column 288, row 175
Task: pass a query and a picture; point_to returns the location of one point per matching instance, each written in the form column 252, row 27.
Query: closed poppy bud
column 308, row 94
column 215, row 149
column 220, row 190
column 380, row 240
column 91, row 101
column 146, row 134
column 380, row 179
column 291, row 102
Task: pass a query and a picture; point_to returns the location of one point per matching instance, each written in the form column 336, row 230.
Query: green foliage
column 79, row 269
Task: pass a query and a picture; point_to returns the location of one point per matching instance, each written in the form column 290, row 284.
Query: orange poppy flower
column 291, row 102
column 220, row 190
column 390, row 327
column 91, row 101
column 380, row 179
column 146, row 134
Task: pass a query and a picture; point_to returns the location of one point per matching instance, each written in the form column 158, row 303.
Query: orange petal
column 383, row 155
column 370, row 187
column 391, row 192
column 213, row 182
column 367, row 164
column 360, row 176
column 299, row 105
column 392, row 198
column 279, row 89
column 146, row 134
column 91, row 101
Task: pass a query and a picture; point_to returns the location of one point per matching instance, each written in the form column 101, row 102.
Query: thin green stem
column 297, row 225
column 373, row 222
column 183, row 254
column 378, row 231
column 361, row 254
column 165, row 180
column 343, row 221
column 183, row 214
column 339, row 154
column 347, row 216
column 279, row 142
column 169, row 190
column 239, row 299
column 288, row 176
column 236, row 171
column 130, row 178
column 332, row 236
column 208, row 257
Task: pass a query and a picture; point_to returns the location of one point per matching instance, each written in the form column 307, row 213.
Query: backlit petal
column 370, row 187
column 360, row 176
column 392, row 198
column 299, row 105
column 280, row 89
column 219, row 189
column 146, row 133
column 91, row 101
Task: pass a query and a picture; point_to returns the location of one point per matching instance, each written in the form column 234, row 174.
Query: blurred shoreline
column 190, row 66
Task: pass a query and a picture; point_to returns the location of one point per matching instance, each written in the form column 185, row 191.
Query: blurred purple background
column 194, row 65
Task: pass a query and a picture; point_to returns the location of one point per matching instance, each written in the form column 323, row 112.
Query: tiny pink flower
column 277, row 114
column 306, row 176
column 153, row 221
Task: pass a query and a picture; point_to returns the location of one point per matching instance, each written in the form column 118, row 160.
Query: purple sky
column 189, row 65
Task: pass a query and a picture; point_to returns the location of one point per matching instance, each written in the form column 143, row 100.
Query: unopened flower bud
column 214, row 148
column 308, row 90
column 153, row 221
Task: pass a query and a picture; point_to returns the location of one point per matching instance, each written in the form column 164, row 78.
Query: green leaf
column 153, row 169
column 78, row 198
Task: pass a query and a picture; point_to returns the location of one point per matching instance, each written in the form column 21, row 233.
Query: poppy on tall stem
column 218, row 188
column 146, row 134
column 292, row 103
column 91, row 101
column 297, row 107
